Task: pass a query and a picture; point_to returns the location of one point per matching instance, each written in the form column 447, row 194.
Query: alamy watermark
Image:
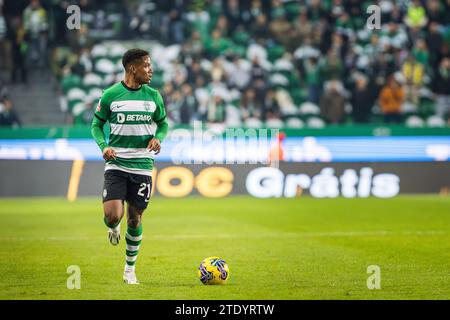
column 374, row 280
column 74, row 280
column 226, row 146
column 374, row 20
column 73, row 22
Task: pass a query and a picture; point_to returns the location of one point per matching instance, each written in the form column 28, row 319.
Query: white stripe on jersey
column 144, row 172
column 133, row 105
column 129, row 153
column 132, row 129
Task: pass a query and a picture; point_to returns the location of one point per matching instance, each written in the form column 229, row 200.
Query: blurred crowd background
column 255, row 63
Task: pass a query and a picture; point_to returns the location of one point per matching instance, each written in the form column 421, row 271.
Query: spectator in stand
column 416, row 16
column 216, row 112
column 193, row 48
column 18, row 51
column 332, row 67
column 249, row 106
column 435, row 11
column 4, row 44
column 280, row 29
column 189, row 104
column 313, row 81
column 434, row 43
column 391, row 99
column 303, row 27
column 36, row 29
column 441, row 88
column 332, row 103
column 413, row 72
column 238, row 75
column 259, row 29
column 233, row 13
column 271, row 107
column 362, row 100
column 8, row 116
column 79, row 39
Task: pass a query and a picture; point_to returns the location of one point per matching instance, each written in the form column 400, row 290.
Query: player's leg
column 133, row 239
column 113, row 210
column 139, row 189
column 114, row 194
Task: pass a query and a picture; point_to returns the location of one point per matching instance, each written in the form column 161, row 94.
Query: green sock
column 133, row 238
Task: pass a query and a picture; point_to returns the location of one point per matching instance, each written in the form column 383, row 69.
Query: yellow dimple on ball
column 213, row 270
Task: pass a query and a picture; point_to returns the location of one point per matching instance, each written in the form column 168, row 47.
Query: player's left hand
column 154, row 145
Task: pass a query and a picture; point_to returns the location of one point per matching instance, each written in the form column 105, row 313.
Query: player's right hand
column 109, row 154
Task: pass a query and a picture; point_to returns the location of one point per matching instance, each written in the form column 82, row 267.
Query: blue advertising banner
column 218, row 150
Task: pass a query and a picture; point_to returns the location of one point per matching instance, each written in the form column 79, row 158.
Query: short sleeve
column 103, row 110
column 160, row 112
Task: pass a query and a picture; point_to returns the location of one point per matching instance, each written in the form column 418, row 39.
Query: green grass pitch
column 300, row 248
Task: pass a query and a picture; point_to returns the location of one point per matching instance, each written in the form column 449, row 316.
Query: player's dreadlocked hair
column 132, row 55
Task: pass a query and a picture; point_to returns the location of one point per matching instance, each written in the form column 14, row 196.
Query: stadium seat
column 435, row 121
column 233, row 117
column 279, row 80
column 108, row 79
column 92, row 80
column 275, row 52
column 94, row 94
column 294, row 123
column 253, row 123
column 105, row 66
column 274, row 123
column 117, row 50
column 70, row 81
column 283, row 65
column 78, row 108
column 414, row 122
column 256, row 51
column 99, row 51
column 285, row 102
column 76, row 94
column 315, row 123
column 309, row 108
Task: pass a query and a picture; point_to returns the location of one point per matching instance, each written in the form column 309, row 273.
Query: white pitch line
column 252, row 235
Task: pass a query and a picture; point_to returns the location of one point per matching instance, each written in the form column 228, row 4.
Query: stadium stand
column 273, row 63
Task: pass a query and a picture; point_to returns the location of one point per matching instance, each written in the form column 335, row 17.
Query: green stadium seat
column 292, row 10
column 298, row 95
column 275, row 52
column 70, row 81
column 241, row 38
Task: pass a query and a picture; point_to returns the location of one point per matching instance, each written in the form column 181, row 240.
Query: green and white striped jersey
column 133, row 115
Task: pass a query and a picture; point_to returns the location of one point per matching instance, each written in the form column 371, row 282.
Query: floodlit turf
column 301, row 248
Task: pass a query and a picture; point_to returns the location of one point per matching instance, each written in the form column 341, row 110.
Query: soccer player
column 138, row 123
